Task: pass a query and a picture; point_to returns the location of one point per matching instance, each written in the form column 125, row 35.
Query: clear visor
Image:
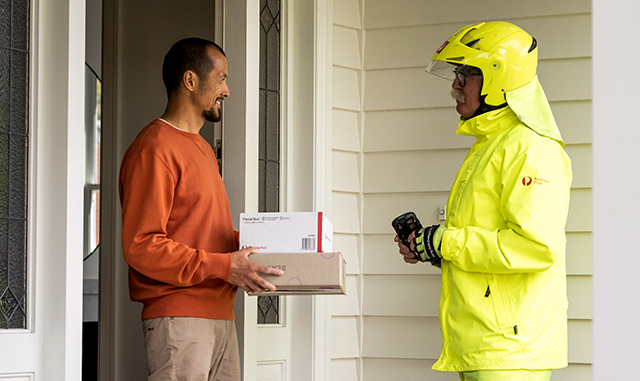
column 442, row 69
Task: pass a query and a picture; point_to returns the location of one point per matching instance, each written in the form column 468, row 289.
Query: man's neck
column 183, row 118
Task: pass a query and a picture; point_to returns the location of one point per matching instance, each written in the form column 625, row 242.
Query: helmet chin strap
column 484, row 107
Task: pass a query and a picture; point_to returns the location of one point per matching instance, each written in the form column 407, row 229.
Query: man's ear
column 190, row 80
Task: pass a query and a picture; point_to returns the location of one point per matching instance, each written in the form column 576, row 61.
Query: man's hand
column 244, row 273
column 408, row 255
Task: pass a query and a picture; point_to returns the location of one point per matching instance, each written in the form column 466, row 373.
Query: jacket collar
column 488, row 123
column 527, row 105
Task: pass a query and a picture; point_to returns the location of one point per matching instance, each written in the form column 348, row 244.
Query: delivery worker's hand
column 244, row 273
column 408, row 255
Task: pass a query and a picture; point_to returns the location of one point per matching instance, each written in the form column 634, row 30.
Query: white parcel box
column 297, row 232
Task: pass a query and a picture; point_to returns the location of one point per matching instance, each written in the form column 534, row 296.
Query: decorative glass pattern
column 14, row 154
column 269, row 155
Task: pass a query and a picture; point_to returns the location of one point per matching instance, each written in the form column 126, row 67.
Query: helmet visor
column 442, row 69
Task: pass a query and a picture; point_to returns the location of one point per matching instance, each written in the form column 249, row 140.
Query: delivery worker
column 503, row 304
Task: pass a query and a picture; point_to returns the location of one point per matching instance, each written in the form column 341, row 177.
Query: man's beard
column 457, row 95
column 212, row 115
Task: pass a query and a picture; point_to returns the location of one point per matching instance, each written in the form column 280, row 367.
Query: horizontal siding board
column 401, row 337
column 581, row 165
column 403, row 47
column 418, row 129
column 381, row 256
column 574, row 121
column 345, row 134
column 413, row 46
column 346, row 89
column 412, row 171
column 405, row 89
column 347, row 13
column 580, row 294
column 349, row 304
column 412, row 88
column 395, row 171
column 555, row 77
column 580, row 341
column 346, row 47
column 579, row 253
column 398, row 13
column 419, row 338
column 345, row 213
column 387, row 295
column 434, row 128
column 580, row 212
column 345, row 177
column 344, row 338
column 574, row 372
column 411, row 370
column 344, row 370
column 401, row 295
column 382, row 208
column 575, row 30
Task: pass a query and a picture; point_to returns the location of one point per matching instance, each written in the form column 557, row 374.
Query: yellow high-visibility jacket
column 503, row 298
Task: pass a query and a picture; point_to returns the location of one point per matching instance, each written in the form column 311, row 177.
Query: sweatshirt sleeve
column 533, row 192
column 147, row 187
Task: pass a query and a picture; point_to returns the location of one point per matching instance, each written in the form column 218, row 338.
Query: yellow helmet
column 506, row 55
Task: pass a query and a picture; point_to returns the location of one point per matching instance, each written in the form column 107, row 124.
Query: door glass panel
column 269, row 135
column 14, row 161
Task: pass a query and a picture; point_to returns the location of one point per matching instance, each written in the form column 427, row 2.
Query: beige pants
column 191, row 349
column 506, row 375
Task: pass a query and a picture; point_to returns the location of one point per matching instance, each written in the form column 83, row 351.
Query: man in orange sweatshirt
column 177, row 234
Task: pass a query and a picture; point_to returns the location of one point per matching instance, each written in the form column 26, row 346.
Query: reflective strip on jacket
column 503, row 298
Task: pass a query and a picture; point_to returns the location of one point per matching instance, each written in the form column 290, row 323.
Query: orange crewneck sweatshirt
column 177, row 233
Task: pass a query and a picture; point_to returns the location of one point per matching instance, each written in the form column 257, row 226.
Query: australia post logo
column 528, row 181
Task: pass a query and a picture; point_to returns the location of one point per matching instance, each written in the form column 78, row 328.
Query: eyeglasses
column 461, row 76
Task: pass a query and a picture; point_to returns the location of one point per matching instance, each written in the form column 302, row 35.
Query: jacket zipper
column 486, row 295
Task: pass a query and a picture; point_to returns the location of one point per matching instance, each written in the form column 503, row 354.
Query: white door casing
column 50, row 347
column 296, row 349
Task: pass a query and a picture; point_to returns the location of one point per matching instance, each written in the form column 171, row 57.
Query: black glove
column 424, row 249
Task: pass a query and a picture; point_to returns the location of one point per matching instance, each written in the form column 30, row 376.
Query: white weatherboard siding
column 394, row 150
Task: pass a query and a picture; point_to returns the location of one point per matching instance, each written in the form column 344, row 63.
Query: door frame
column 308, row 154
column 53, row 337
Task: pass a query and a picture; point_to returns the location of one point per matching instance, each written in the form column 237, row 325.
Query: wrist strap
column 424, row 249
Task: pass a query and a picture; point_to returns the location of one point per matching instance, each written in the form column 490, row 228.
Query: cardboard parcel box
column 301, row 245
column 304, row 273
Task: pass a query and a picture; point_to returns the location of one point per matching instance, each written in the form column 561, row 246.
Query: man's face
column 214, row 89
column 467, row 94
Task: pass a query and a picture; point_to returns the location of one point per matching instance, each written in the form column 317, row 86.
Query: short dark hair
column 187, row 54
